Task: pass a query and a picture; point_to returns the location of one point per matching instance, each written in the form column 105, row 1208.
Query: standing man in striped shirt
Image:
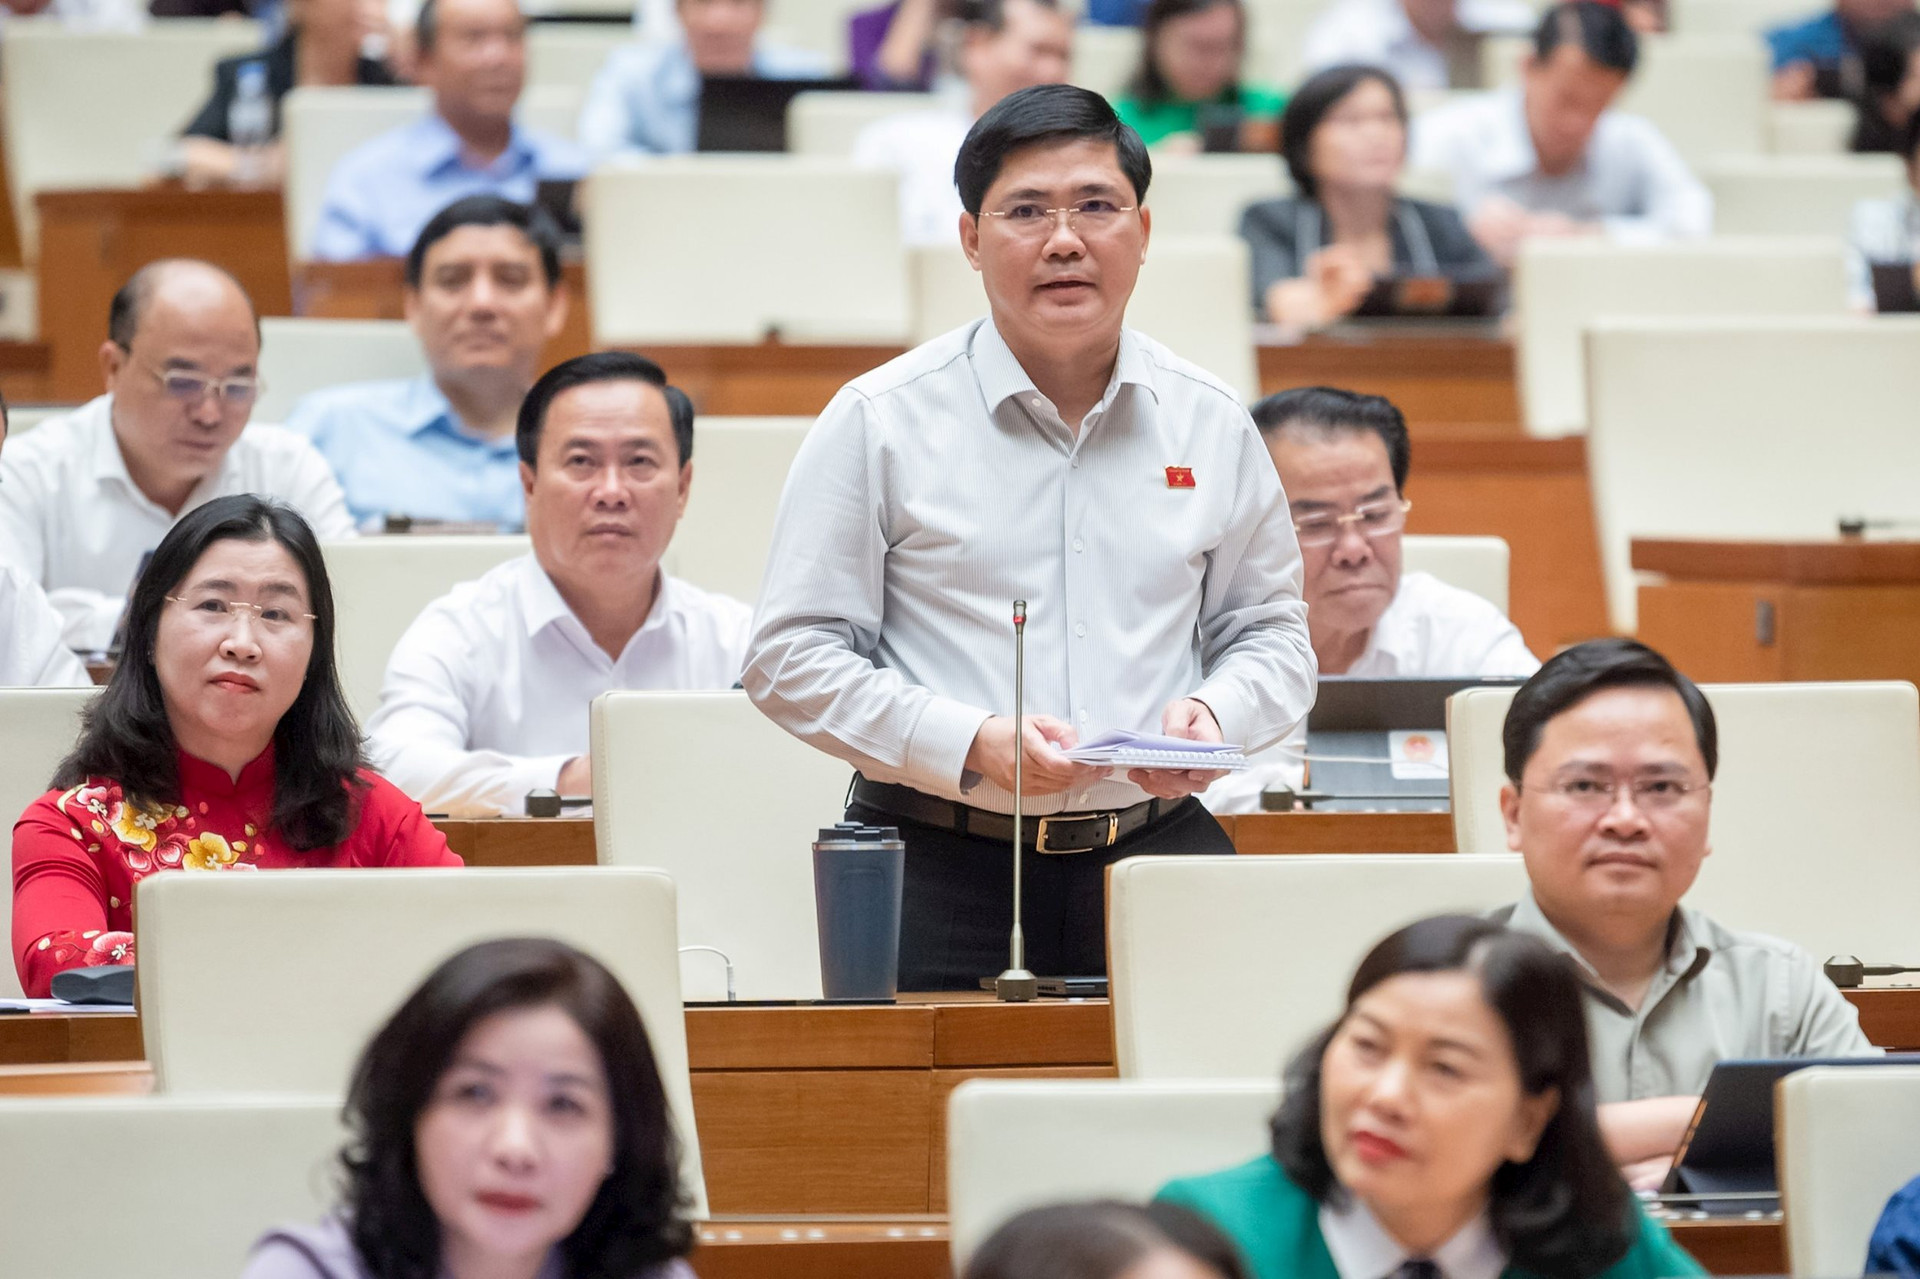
column 1045, row 453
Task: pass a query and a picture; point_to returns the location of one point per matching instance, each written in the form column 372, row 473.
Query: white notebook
column 1145, row 750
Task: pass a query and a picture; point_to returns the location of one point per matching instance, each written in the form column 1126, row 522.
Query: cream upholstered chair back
column 1206, row 194
column 786, row 263
column 1798, row 194
column 1740, row 400
column 827, row 124
column 1731, row 17
column 819, row 26
column 380, row 584
column 1818, row 791
column 299, row 356
column 1104, row 58
column 1820, row 127
column 193, row 1181
column 101, row 108
column 1561, row 287
column 1191, row 296
column 741, row 863
column 275, row 982
column 1844, row 1140
column 571, row 53
column 38, row 727
column 740, row 467
column 319, row 126
column 1477, row 564
column 1223, row 967
column 1015, row 1144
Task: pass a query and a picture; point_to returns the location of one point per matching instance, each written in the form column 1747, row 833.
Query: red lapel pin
column 1179, row 477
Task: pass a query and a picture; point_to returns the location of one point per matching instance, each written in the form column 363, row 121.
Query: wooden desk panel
column 1443, row 378
column 520, row 841
column 1283, row 833
column 1829, row 610
column 92, row 240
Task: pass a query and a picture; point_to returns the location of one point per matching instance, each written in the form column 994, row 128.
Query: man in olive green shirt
column 1610, row 755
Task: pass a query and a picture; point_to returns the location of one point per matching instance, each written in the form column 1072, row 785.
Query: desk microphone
column 1847, row 972
column 1017, row 985
column 545, row 803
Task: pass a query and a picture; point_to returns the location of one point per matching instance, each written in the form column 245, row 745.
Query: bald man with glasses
column 84, row 496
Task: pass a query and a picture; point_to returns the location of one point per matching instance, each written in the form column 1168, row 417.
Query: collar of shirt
column 1362, row 1248
column 109, row 463
column 198, row 777
column 1394, row 645
column 440, row 152
column 542, row 606
column 1002, row 377
column 1687, row 951
column 426, row 408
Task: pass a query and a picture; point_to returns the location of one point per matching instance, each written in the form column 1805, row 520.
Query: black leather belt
column 1055, row 833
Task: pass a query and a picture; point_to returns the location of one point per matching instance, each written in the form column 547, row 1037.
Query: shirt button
column 1083, row 797
column 1076, row 463
column 1080, row 629
column 1078, row 545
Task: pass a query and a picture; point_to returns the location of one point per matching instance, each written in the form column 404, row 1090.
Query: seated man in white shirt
column 486, row 694
column 1427, row 45
column 1343, row 460
column 1610, row 760
column 31, row 651
column 87, row 494
column 1008, row 45
column 1549, row 158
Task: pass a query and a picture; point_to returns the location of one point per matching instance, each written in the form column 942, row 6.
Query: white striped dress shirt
column 942, row 486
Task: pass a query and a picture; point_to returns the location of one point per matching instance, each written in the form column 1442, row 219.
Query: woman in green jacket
column 1187, row 92
column 1442, row 1128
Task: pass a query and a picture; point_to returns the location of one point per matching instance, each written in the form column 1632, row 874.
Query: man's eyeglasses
column 217, row 613
column 192, row 388
column 1032, row 221
column 1375, row 519
column 1597, row 792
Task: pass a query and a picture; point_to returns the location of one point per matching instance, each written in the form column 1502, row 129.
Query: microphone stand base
column 1016, row 986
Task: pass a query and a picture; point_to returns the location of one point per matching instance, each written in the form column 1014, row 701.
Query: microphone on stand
column 1017, row 985
column 1847, row 972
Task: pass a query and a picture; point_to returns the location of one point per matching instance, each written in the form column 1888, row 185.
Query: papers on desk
column 1145, row 750
column 58, row 1006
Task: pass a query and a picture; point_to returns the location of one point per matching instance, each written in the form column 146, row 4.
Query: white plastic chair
column 1820, row 127
column 193, row 1182
column 274, row 982
column 1194, row 195
column 1191, row 296
column 1677, row 399
column 101, row 108
column 1014, row 1144
column 1477, row 564
column 740, row 467
column 741, row 861
column 1816, row 809
column 827, row 124
column 38, row 726
column 1224, row 967
column 1560, row 287
column 380, row 584
column 1797, row 195
column 690, row 249
column 299, row 356
column 1844, row 1138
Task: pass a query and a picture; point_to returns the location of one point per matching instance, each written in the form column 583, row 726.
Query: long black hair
column 1102, row 1239
column 1147, row 84
column 1563, row 1214
column 635, row 1220
column 127, row 737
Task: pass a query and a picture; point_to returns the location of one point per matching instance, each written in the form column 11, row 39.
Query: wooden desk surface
column 1832, row 562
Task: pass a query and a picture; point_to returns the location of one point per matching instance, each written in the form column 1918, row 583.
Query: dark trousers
column 958, row 904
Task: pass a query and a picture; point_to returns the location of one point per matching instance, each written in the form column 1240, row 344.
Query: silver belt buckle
column 1113, row 834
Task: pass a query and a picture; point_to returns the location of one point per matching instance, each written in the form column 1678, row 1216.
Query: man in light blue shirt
column 484, row 295
column 473, row 56
column 647, row 96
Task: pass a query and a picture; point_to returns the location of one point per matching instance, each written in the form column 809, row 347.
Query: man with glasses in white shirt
column 31, row 651
column 1045, row 454
column 486, row 695
column 1610, row 757
column 1343, row 460
column 89, row 493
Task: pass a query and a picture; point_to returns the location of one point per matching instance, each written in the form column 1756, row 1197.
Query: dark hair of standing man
column 1044, row 113
column 1598, row 29
column 1327, row 410
column 1565, row 1212
column 1321, row 93
column 1572, row 676
column 601, row 366
column 488, row 210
